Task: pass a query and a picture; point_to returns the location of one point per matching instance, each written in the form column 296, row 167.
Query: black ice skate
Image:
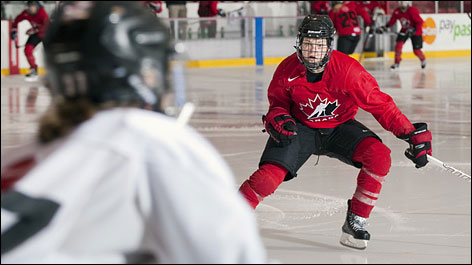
column 395, row 66
column 33, row 75
column 423, row 64
column 354, row 234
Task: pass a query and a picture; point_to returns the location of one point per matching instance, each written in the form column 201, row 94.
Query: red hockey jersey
column 40, row 20
column 410, row 18
column 208, row 8
column 320, row 7
column 344, row 87
column 345, row 18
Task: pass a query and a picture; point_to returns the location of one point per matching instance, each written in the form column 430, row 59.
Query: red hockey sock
column 262, row 183
column 375, row 159
column 29, row 55
column 398, row 51
column 419, row 54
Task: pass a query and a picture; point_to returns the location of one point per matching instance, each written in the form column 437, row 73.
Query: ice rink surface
column 422, row 215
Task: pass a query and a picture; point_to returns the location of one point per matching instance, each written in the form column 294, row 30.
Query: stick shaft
column 448, row 168
column 186, row 113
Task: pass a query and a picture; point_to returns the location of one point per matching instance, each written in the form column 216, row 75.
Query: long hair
column 63, row 117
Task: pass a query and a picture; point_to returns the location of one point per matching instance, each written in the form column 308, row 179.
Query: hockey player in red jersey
column 344, row 16
column 209, row 9
column 39, row 20
column 314, row 96
column 412, row 23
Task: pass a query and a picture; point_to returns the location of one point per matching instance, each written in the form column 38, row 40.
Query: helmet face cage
column 321, row 52
column 32, row 7
column 404, row 4
column 318, row 53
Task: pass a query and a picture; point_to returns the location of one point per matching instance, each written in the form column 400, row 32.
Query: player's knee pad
column 375, row 156
column 267, row 178
column 378, row 159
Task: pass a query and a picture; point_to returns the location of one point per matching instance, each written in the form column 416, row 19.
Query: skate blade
column 32, row 79
column 349, row 241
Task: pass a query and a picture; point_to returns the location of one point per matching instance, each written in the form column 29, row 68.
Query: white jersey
column 129, row 186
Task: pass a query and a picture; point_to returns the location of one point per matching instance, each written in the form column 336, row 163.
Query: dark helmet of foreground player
column 107, row 52
column 316, row 27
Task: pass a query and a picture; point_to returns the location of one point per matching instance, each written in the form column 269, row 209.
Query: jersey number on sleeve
column 33, row 215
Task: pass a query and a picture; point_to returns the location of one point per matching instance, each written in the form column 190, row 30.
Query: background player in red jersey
column 320, row 7
column 373, row 7
column 314, row 96
column 344, row 16
column 39, row 20
column 209, row 9
column 412, row 23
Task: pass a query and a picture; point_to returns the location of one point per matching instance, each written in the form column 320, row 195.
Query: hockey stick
column 236, row 11
column 448, row 168
column 364, row 45
column 180, row 94
column 186, row 113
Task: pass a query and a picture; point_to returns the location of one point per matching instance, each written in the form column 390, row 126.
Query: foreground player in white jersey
column 109, row 182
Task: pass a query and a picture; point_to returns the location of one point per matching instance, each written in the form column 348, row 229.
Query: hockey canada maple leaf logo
column 319, row 108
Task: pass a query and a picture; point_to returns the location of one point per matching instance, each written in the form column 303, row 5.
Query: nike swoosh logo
column 291, row 79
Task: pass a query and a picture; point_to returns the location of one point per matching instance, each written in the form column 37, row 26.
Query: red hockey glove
column 420, row 144
column 280, row 126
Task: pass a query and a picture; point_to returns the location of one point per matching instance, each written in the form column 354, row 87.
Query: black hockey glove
column 381, row 30
column 420, row 144
column 13, row 34
column 280, row 126
column 410, row 31
column 221, row 12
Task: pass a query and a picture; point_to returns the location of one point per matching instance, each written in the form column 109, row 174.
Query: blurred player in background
column 178, row 9
column 314, row 97
column 111, row 181
column 344, row 16
column 320, row 7
column 39, row 20
column 373, row 8
column 412, row 27
column 209, row 9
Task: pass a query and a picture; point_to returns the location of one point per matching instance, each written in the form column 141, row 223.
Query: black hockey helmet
column 33, row 3
column 114, row 52
column 316, row 27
